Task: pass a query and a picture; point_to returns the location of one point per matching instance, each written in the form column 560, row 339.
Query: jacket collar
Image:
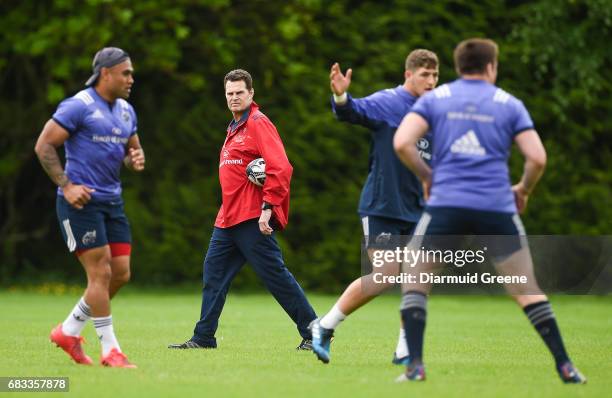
column 243, row 119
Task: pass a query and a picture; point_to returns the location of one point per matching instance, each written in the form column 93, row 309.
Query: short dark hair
column 473, row 55
column 421, row 58
column 237, row 75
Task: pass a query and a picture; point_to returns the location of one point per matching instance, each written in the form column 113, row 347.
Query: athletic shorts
column 96, row 224
column 490, row 226
column 384, row 231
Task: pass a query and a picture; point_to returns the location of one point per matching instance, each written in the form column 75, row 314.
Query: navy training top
column 391, row 190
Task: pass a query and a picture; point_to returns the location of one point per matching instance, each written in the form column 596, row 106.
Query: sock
column 414, row 315
column 74, row 324
column 543, row 320
column 333, row 318
column 106, row 334
column 401, row 350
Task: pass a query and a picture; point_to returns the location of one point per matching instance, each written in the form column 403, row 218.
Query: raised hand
column 338, row 82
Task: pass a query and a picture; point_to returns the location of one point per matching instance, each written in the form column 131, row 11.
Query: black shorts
column 383, row 231
column 96, row 224
column 448, row 226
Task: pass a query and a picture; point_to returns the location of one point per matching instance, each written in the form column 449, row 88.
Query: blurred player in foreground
column 474, row 124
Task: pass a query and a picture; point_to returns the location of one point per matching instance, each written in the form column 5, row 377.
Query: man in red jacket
column 249, row 214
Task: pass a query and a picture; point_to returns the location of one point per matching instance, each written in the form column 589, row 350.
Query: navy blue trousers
column 229, row 249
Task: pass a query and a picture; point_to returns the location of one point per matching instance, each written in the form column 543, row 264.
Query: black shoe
column 305, row 345
column 189, row 344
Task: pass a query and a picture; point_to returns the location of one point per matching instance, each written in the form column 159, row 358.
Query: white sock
column 402, row 347
column 74, row 324
column 333, row 318
column 106, row 334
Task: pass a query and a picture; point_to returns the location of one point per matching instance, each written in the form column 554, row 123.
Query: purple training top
column 472, row 125
column 99, row 133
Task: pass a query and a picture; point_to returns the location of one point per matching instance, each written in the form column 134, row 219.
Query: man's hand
column 264, row 222
column 339, row 83
column 135, row 159
column 521, row 196
column 77, row 195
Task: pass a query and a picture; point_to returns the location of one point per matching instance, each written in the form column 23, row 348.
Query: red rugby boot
column 70, row 344
column 116, row 359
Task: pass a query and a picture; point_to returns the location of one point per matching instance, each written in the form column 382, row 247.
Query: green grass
column 475, row 346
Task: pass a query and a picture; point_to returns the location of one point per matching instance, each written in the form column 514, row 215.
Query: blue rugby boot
column 570, row 374
column 400, row 361
column 413, row 373
column 321, row 340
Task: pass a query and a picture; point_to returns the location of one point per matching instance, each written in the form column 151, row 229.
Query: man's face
column 237, row 95
column 423, row 79
column 119, row 79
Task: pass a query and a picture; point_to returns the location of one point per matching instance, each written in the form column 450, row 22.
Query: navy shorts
column 382, row 231
column 96, row 224
column 500, row 232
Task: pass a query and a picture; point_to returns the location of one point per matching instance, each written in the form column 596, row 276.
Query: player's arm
column 278, row 171
column 413, row 127
column 52, row 136
column 135, row 157
column 363, row 111
column 531, row 147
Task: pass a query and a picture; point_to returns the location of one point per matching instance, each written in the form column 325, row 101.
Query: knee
column 100, row 273
column 122, row 277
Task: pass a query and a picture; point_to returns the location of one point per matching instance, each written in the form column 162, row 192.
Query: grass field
column 475, row 346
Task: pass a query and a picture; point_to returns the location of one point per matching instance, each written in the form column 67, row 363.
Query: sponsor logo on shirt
column 109, row 139
column 230, row 162
column 116, row 131
column 97, row 114
column 422, row 145
column 468, row 144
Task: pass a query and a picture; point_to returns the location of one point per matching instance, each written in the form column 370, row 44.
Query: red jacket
column 254, row 138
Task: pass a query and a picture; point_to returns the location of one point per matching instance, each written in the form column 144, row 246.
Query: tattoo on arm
column 50, row 161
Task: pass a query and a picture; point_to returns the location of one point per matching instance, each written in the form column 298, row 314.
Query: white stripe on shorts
column 366, row 229
column 70, row 241
column 519, row 225
column 422, row 225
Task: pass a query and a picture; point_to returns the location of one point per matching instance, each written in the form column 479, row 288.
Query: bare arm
column 52, row 136
column 408, row 133
column 531, row 147
column 135, row 158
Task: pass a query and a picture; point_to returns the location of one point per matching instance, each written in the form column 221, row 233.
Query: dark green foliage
column 554, row 55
